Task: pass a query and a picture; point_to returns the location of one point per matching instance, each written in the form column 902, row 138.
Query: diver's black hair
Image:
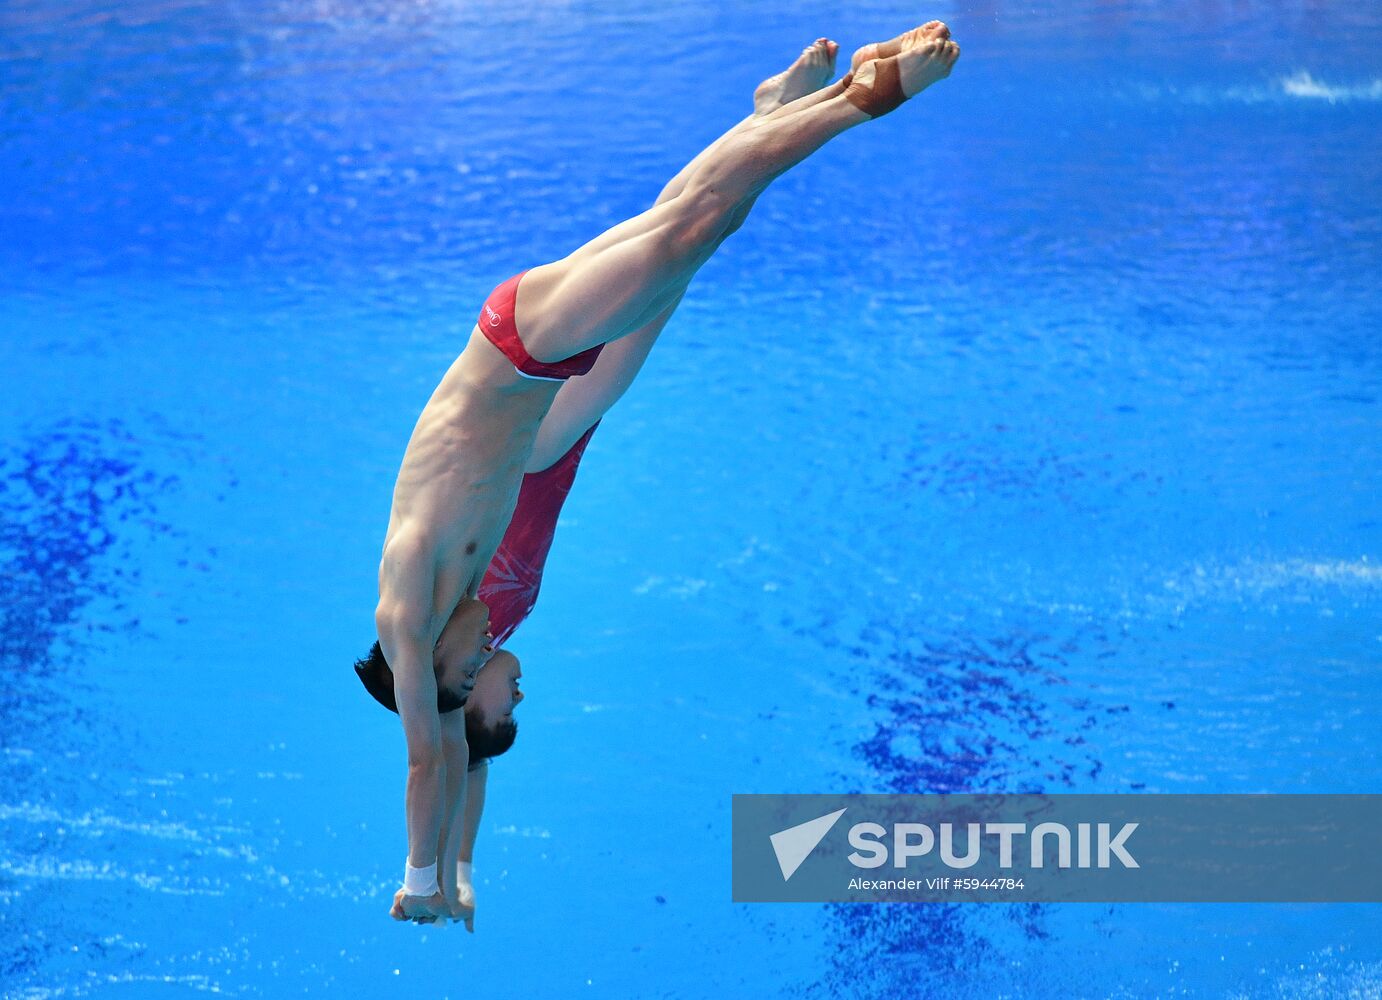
column 484, row 741
column 488, row 741
column 375, row 675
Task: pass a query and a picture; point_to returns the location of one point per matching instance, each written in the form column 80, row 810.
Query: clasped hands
column 456, row 904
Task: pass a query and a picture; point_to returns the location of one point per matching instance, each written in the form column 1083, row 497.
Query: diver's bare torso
column 461, row 472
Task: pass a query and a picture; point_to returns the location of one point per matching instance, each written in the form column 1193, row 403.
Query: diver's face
column 463, row 647
column 496, row 692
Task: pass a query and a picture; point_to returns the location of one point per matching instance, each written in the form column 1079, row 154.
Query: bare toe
column 806, row 75
column 883, row 82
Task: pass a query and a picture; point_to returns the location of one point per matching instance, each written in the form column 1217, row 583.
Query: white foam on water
column 1257, row 577
column 527, row 831
column 97, row 823
column 193, row 982
column 1324, row 977
column 684, row 587
column 87, row 871
column 1328, row 585
column 1301, row 85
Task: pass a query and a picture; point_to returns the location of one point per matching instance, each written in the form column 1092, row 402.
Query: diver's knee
column 736, row 221
column 701, row 216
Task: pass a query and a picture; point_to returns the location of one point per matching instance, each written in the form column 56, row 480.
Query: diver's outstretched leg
column 603, row 290
column 582, row 401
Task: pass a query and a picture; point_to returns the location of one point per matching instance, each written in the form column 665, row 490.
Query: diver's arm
column 408, row 649
column 583, row 401
column 415, row 689
column 457, row 754
column 459, row 861
column 474, row 806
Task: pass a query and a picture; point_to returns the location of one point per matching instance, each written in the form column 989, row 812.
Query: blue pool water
column 1029, row 439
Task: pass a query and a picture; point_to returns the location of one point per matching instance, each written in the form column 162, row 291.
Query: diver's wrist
column 420, row 881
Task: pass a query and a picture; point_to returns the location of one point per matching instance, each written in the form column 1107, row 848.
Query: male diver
column 496, row 446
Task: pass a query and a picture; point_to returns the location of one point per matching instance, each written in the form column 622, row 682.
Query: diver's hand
column 464, row 908
column 421, row 909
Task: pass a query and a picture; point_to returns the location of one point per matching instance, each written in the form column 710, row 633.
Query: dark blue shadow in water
column 68, row 500
column 76, row 498
column 960, row 713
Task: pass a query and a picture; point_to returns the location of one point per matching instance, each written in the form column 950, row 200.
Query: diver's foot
column 881, row 50
column 880, row 85
column 808, row 74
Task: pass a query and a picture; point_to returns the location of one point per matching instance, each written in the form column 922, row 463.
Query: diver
column 497, row 445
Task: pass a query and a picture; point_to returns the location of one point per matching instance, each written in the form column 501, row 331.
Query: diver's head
column 460, row 652
column 490, row 728
column 462, row 649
